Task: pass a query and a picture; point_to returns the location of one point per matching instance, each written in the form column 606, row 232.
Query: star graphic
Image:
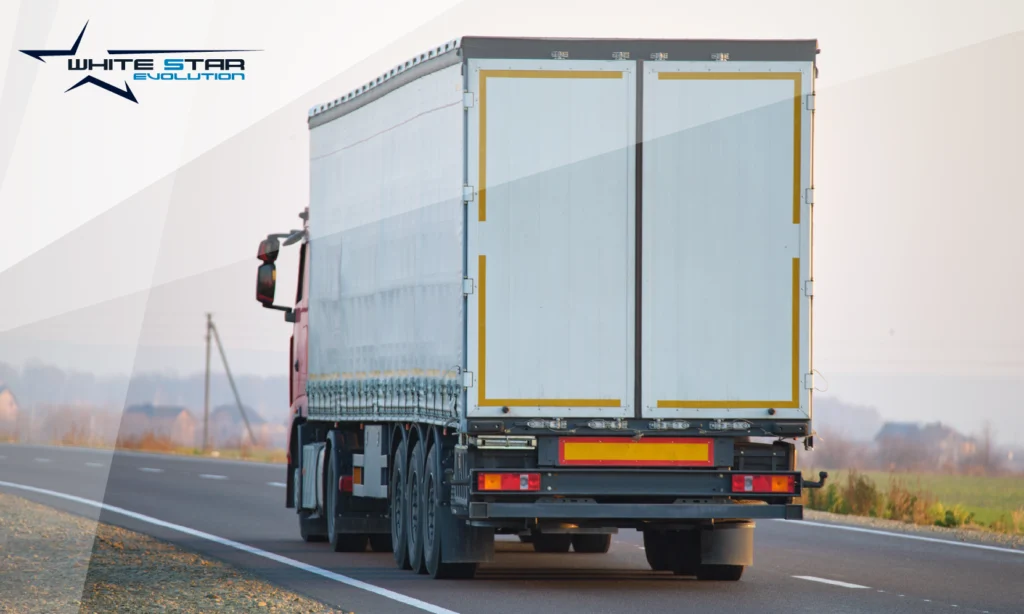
column 39, row 54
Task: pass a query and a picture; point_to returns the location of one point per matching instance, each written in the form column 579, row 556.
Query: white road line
column 42, row 460
column 278, row 484
column 94, row 464
column 210, row 476
column 323, row 573
column 166, row 457
column 151, row 470
column 906, row 536
column 832, row 582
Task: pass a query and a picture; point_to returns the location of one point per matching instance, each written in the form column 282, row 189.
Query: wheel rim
column 397, row 513
column 414, row 509
column 430, row 511
column 330, row 505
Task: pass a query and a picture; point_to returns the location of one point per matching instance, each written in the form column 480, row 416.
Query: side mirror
column 266, row 283
column 268, row 250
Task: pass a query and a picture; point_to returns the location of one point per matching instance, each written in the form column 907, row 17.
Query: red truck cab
column 298, row 316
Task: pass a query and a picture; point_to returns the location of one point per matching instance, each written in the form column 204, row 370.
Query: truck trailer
column 555, row 288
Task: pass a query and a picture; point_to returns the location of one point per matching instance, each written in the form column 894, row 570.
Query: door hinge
column 467, row 379
column 809, row 287
column 809, row 381
column 468, row 193
column 467, row 286
column 809, row 196
column 467, row 100
column 810, row 102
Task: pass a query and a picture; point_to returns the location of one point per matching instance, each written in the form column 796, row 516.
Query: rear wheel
column 433, row 533
column 657, row 551
column 720, row 573
column 396, row 492
column 555, row 542
column 675, row 551
column 340, row 542
column 589, row 543
column 414, row 508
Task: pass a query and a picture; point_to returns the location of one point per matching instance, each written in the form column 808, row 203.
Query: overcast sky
column 123, row 224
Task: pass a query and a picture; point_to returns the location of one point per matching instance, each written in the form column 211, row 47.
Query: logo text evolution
column 146, row 65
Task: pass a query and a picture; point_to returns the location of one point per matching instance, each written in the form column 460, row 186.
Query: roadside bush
column 148, row 441
column 861, row 496
column 904, row 504
column 826, row 499
column 952, row 517
column 1017, row 517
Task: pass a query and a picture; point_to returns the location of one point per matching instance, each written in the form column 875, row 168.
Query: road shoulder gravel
column 52, row 562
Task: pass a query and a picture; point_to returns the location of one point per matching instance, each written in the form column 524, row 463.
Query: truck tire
column 396, row 494
column 310, row 529
column 673, row 551
column 590, row 543
column 381, row 542
column 340, row 542
column 657, row 550
column 414, row 508
column 720, row 573
column 554, row 542
column 433, row 532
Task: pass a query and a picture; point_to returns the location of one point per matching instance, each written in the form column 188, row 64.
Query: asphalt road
column 235, row 511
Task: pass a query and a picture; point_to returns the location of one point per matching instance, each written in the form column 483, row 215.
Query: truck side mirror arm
column 289, row 313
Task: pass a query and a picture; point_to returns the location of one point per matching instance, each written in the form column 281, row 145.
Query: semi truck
column 555, row 288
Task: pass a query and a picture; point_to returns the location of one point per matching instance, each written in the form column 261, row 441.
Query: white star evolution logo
column 173, row 69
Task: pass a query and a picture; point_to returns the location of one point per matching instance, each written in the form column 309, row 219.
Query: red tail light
column 345, row 484
column 763, row 483
column 508, row 481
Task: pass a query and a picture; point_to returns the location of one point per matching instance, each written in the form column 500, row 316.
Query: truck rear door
column 551, row 231
column 725, row 239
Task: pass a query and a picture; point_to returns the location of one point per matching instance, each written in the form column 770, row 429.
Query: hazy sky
column 122, row 224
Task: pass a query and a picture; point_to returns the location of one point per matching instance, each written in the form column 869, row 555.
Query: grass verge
column 987, row 502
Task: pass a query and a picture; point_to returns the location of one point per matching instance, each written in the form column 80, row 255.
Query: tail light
column 345, row 484
column 508, row 481
column 763, row 483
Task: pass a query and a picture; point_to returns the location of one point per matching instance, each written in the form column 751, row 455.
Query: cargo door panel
column 551, row 231
column 725, row 239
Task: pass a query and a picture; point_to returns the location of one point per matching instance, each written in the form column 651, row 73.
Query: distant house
column 176, row 424
column 8, row 412
column 909, row 445
column 227, row 429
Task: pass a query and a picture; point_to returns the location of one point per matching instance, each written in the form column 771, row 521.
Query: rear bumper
column 632, row 511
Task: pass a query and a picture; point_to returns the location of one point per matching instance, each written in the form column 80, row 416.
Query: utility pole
column 231, row 380
column 206, row 396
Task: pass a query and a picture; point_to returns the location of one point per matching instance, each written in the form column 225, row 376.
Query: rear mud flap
column 461, row 543
column 728, row 544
